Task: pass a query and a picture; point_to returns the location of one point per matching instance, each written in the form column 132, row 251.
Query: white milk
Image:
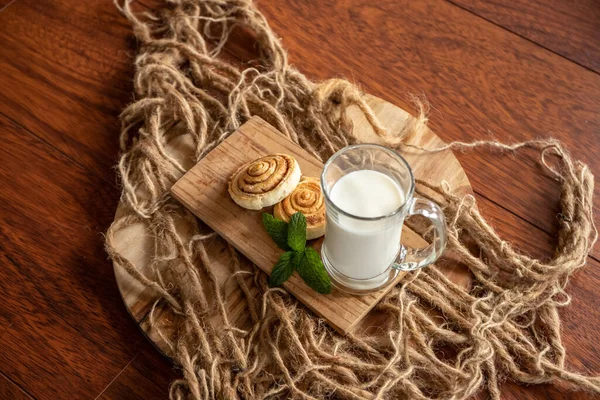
column 363, row 249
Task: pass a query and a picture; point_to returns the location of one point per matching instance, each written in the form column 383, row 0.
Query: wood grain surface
column 10, row 390
column 203, row 190
column 57, row 288
column 146, row 377
column 569, row 28
column 67, row 69
column 482, row 80
column 66, row 74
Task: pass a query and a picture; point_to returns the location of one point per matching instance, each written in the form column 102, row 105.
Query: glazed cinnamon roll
column 307, row 198
column 265, row 181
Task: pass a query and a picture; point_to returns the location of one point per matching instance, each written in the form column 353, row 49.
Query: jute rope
column 443, row 342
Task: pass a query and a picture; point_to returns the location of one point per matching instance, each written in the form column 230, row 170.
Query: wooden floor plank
column 67, row 69
column 569, row 28
column 7, row 315
column 522, row 235
column 148, row 377
column 505, row 118
column 70, row 333
column 9, row 390
column 580, row 320
column 479, row 78
column 580, row 325
column 5, row 3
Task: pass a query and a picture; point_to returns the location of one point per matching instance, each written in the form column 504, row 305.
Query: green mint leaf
column 283, row 269
column 296, row 238
column 277, row 229
column 311, row 269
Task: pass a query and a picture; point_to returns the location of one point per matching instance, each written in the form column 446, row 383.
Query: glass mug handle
column 410, row 259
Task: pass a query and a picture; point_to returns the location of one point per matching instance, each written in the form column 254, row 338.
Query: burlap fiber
column 505, row 326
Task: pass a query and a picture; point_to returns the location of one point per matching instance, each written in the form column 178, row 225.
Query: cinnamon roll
column 265, row 181
column 308, row 199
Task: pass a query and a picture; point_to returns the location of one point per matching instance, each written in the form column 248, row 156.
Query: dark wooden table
column 514, row 69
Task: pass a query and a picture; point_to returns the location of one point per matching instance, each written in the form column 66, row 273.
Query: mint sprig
column 277, row 229
column 296, row 237
column 284, row 268
column 297, row 257
column 311, row 269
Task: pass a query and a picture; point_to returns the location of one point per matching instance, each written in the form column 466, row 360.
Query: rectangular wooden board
column 203, row 190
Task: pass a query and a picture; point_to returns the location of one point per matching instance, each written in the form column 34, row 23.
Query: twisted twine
column 506, row 326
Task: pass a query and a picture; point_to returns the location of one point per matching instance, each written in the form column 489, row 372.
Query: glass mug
column 361, row 253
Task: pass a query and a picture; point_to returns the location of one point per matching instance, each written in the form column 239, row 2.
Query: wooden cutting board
column 136, row 245
column 203, row 190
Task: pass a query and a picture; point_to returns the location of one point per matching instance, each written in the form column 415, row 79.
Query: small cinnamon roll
column 265, row 181
column 307, row 198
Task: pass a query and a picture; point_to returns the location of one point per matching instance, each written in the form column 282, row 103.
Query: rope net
column 441, row 340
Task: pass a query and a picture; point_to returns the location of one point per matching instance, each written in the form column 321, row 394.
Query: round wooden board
column 134, row 243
